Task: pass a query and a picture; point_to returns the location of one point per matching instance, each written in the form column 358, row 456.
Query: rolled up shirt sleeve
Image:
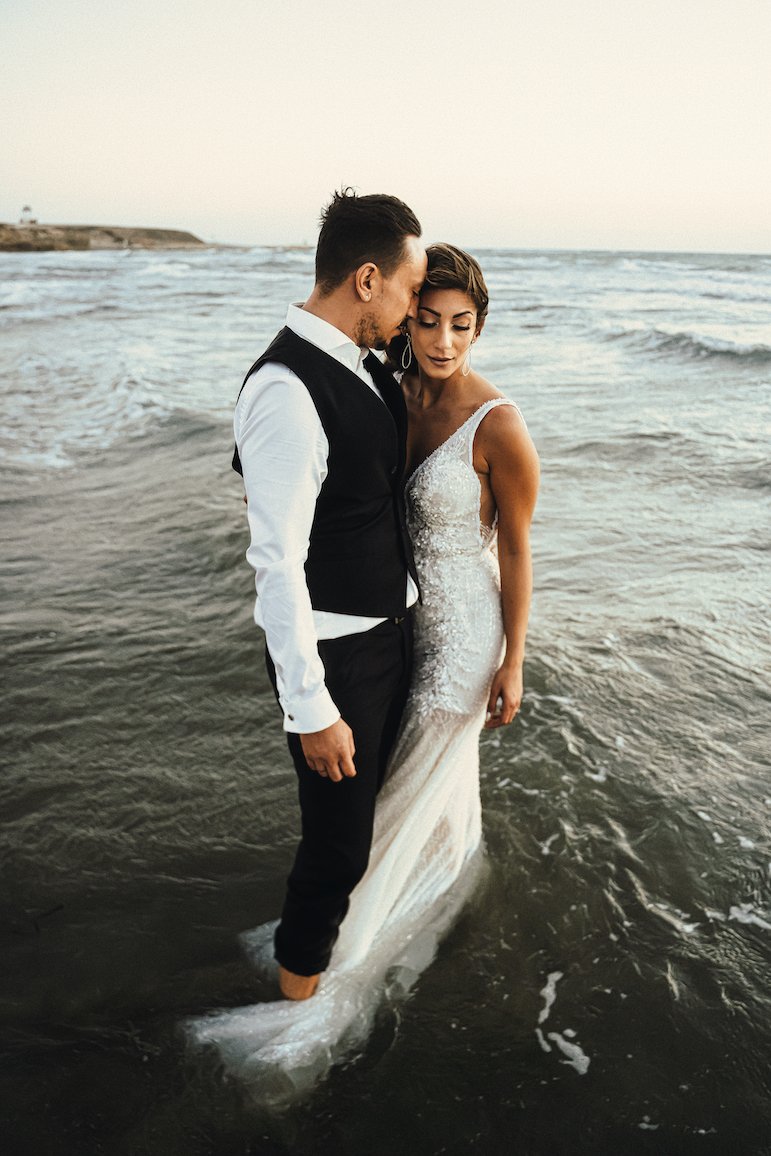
column 283, row 451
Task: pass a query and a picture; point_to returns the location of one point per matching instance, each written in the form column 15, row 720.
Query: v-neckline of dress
column 447, row 440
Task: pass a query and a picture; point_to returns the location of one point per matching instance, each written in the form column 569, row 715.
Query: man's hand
column 330, row 752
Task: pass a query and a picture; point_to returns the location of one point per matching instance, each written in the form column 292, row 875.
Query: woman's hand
column 505, row 697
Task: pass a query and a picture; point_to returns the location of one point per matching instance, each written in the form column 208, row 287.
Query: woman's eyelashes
column 433, row 325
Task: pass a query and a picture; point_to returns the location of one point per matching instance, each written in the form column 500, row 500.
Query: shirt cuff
column 316, row 714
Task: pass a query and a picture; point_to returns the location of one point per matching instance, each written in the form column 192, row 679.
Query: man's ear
column 364, row 280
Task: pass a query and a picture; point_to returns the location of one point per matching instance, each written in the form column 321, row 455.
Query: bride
column 471, row 489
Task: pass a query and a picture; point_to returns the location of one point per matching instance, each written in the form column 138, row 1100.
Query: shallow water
column 608, row 990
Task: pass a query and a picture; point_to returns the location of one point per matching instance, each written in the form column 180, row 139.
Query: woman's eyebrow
column 463, row 313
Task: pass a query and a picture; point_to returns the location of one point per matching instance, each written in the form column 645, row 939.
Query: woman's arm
column 512, row 466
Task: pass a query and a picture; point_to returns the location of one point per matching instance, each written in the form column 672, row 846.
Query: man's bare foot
column 296, row 986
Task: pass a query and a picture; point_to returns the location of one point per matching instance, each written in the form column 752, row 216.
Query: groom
column 320, row 430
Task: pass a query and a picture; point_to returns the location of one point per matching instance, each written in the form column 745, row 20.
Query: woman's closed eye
column 433, row 325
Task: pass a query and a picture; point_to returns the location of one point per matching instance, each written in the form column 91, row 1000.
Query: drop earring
column 466, row 370
column 407, row 354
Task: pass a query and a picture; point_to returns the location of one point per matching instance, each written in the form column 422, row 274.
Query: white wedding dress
column 426, row 854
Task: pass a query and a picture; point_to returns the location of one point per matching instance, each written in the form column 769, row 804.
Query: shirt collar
column 325, row 336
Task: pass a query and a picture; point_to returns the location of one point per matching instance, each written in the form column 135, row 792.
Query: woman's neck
column 430, row 391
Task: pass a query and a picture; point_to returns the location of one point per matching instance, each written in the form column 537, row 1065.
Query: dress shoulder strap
column 476, row 420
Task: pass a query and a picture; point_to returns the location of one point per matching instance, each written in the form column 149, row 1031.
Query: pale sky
column 612, row 124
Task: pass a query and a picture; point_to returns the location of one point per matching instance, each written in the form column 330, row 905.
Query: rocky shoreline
column 29, row 238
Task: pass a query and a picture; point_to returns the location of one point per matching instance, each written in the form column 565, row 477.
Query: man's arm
column 283, row 451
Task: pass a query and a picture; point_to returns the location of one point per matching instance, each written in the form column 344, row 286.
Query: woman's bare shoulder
column 502, row 420
column 504, row 438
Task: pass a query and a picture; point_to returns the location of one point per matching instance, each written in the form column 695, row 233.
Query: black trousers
column 368, row 677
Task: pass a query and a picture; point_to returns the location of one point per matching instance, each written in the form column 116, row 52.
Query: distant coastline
column 34, row 238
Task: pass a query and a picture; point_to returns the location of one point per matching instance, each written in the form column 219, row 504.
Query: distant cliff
column 41, row 238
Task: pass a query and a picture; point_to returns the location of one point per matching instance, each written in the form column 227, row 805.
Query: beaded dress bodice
column 458, row 626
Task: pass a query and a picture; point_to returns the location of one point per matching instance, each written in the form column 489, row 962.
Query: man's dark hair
column 355, row 230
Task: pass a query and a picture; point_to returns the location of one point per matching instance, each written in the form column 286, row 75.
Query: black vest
column 359, row 550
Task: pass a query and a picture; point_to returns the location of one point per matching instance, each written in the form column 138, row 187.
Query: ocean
column 609, row 989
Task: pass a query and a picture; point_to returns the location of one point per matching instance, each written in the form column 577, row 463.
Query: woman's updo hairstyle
column 451, row 268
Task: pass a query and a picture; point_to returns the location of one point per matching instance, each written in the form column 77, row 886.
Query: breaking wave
column 690, row 345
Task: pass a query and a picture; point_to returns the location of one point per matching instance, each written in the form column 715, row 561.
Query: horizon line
column 310, row 246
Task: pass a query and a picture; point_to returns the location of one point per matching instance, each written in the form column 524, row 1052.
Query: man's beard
column 369, row 333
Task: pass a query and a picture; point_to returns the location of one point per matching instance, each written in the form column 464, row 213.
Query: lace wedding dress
column 426, row 854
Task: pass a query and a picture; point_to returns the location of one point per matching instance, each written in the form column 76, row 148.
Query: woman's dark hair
column 451, row 268
column 448, row 268
column 357, row 229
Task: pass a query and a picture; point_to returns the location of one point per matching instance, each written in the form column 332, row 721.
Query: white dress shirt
column 283, row 451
